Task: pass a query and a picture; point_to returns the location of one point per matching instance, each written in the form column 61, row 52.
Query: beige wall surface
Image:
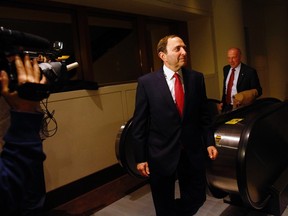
column 88, row 123
column 228, row 32
column 267, row 27
column 202, row 53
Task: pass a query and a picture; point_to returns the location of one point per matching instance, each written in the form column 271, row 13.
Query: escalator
column 251, row 168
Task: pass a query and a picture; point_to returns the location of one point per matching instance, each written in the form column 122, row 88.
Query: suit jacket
column 248, row 79
column 158, row 130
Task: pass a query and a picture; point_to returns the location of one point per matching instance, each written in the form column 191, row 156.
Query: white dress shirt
column 234, row 87
column 169, row 75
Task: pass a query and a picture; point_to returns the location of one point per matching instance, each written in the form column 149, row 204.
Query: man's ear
column 162, row 56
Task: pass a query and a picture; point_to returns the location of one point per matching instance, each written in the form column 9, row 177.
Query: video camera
column 54, row 66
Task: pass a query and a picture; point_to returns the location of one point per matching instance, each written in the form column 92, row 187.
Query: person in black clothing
column 22, row 151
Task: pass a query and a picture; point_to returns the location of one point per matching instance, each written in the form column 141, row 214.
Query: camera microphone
column 72, row 66
column 53, row 71
column 23, row 39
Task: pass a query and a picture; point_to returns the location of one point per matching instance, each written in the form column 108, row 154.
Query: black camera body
column 21, row 43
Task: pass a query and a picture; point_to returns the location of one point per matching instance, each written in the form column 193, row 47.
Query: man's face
column 176, row 55
column 233, row 57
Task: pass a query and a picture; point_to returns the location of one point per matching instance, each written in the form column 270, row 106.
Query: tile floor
column 139, row 203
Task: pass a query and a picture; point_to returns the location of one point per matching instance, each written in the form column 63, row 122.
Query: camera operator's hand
column 27, row 72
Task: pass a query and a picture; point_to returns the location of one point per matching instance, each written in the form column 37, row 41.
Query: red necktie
column 179, row 93
column 229, row 87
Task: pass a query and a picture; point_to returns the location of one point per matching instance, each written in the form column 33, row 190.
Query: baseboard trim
column 92, row 193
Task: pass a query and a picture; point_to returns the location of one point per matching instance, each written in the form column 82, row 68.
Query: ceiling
column 155, row 8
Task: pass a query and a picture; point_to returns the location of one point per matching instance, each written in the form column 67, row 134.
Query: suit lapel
column 241, row 75
column 189, row 86
column 164, row 89
column 226, row 72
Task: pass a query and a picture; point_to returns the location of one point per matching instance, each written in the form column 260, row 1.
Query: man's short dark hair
column 162, row 44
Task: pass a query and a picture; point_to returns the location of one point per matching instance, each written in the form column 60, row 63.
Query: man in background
column 241, row 85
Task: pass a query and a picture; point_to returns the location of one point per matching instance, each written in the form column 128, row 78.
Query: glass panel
column 114, row 49
column 156, row 32
column 51, row 31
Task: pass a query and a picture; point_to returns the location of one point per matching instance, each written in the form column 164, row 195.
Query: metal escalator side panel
column 262, row 155
column 224, row 173
column 124, row 149
column 221, row 173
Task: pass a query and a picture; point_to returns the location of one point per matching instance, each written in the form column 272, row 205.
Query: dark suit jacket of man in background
column 173, row 146
column 248, row 79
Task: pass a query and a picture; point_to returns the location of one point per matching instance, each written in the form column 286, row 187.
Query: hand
column 27, row 71
column 236, row 103
column 212, row 152
column 143, row 169
column 219, row 106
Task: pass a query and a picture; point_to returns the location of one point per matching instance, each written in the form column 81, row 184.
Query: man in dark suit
column 170, row 144
column 245, row 82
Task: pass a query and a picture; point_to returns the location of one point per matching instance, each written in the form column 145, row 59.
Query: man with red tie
column 239, row 80
column 171, row 131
